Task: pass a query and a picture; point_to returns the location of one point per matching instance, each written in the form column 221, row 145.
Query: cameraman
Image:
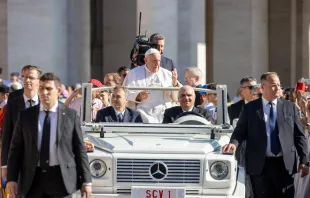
column 160, row 41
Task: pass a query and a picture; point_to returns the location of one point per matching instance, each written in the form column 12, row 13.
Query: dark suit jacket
column 166, row 63
column 71, row 152
column 172, row 113
column 108, row 115
column 252, row 128
column 13, row 108
column 15, row 94
column 234, row 110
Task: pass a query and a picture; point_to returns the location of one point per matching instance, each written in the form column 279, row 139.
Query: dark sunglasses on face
column 250, row 87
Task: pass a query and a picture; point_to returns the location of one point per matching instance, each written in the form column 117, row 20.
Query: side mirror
column 235, row 121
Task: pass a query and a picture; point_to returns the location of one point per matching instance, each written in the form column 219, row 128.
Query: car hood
column 137, row 143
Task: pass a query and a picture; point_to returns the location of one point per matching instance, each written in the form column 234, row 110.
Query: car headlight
column 219, row 170
column 97, row 168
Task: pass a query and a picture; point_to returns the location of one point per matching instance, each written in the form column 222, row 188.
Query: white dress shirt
column 53, row 160
column 266, row 108
column 117, row 113
column 35, row 98
column 191, row 109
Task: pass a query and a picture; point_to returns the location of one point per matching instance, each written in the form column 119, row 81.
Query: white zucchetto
column 151, row 51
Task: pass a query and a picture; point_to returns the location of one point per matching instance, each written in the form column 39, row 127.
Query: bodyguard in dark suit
column 167, row 63
column 20, row 92
column 274, row 134
column 29, row 97
column 16, row 94
column 118, row 112
column 234, row 110
column 186, row 99
column 48, row 159
column 246, row 84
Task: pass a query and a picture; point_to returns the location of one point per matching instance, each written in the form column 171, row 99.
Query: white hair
column 195, row 71
column 151, row 51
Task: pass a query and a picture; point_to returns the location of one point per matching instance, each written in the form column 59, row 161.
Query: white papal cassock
column 152, row 109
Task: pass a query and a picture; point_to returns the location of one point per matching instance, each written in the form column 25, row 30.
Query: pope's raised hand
column 143, row 95
column 174, row 77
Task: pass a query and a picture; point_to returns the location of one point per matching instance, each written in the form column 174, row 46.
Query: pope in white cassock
column 152, row 104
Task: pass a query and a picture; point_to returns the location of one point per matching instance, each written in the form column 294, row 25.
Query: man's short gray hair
column 254, row 88
column 125, row 90
column 156, row 37
column 186, row 87
column 195, row 71
column 247, row 79
column 264, row 76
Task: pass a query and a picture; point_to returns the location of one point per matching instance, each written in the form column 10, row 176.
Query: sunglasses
column 250, row 87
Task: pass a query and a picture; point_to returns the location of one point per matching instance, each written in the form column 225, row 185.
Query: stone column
column 3, row 40
column 232, row 45
column 37, row 35
column 182, row 22
column 280, row 35
column 259, row 28
column 191, row 36
column 78, row 42
column 305, row 39
column 161, row 16
column 119, row 33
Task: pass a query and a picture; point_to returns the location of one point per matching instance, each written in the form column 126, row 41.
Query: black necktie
column 120, row 117
column 30, row 102
column 274, row 132
column 45, row 143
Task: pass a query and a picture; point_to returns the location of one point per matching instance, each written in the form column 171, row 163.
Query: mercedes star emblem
column 158, row 170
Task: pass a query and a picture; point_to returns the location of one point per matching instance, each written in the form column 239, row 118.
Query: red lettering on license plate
column 157, row 194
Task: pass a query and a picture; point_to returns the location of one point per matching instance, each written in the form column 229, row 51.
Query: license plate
column 157, row 192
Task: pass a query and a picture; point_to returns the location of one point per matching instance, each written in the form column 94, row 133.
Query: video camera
column 142, row 44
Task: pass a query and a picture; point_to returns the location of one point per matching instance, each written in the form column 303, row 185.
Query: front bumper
column 239, row 193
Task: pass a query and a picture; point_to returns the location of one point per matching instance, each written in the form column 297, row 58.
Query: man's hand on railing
column 229, row 149
column 174, row 77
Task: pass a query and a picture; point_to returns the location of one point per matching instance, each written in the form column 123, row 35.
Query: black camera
column 142, row 44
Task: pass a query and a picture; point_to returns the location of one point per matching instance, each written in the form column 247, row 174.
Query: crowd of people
column 270, row 159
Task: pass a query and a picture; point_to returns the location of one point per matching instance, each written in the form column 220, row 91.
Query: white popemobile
column 178, row 160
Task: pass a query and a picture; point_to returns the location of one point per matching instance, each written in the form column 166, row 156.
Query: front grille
column 138, row 170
